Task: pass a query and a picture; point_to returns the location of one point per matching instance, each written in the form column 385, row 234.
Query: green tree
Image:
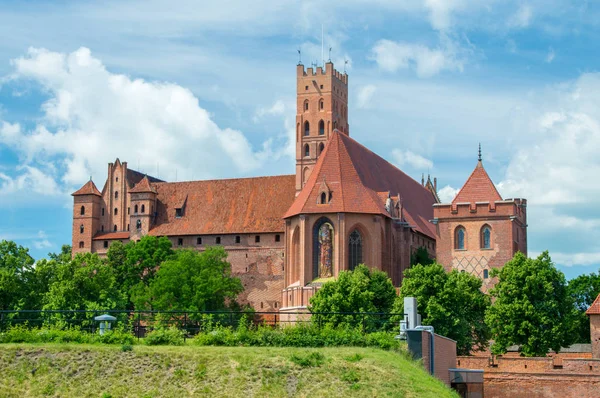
column 16, row 272
column 84, row 283
column 193, row 281
column 361, row 290
column 532, row 307
column 136, row 264
column 452, row 303
column 583, row 290
column 421, row 256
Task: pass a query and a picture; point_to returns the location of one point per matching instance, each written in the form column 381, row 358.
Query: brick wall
column 536, row 377
column 445, row 355
column 595, row 335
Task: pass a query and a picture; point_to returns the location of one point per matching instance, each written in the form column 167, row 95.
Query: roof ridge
column 223, row 179
column 595, row 307
column 478, row 169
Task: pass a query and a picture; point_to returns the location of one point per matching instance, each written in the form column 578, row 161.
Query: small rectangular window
column 277, row 238
column 179, row 241
column 179, row 213
column 105, row 244
column 321, row 86
column 257, row 239
column 218, row 240
column 128, row 210
column 237, row 239
column 306, row 87
column 198, row 240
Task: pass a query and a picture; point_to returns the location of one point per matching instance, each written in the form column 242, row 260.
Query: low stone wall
column 558, row 376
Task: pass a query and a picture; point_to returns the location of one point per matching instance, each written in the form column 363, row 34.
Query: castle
column 285, row 235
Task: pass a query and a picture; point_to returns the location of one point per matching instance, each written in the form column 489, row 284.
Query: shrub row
column 23, row 334
column 296, row 336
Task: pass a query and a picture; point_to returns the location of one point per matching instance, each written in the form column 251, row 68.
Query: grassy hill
column 106, row 371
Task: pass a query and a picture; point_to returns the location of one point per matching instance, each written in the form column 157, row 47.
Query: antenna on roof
column 329, row 54
column 479, row 158
column 90, row 178
column 299, row 57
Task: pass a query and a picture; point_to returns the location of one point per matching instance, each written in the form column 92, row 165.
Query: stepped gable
column 359, row 181
column 89, row 188
column 478, row 188
column 594, row 308
column 243, row 205
column 143, row 186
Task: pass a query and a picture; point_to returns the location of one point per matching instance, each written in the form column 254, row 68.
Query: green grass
column 78, row 370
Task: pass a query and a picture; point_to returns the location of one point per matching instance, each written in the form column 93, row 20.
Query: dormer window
column 178, row 213
column 323, row 198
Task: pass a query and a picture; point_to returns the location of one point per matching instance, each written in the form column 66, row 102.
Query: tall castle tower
column 322, row 106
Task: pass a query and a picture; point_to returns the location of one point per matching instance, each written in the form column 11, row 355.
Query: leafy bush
column 126, row 347
column 165, row 336
column 116, row 337
column 23, row 334
column 312, row 360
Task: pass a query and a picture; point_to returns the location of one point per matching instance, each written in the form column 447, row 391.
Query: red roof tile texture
column 356, row 177
column 88, row 189
column 595, row 307
column 244, row 205
column 111, row 235
column 142, row 186
column 478, row 188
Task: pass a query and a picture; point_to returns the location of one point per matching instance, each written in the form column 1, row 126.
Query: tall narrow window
column 237, row 239
column 116, row 194
column 143, row 208
column 198, row 240
column 106, row 244
column 486, row 274
column 218, row 240
column 306, row 105
column 257, row 239
column 128, row 210
column 321, row 128
column 102, row 228
column 321, row 147
column 323, row 198
column 459, row 239
column 321, row 105
column 277, row 238
column 116, row 211
column 355, row 250
column 82, row 211
column 323, row 249
column 306, row 150
column 306, row 128
column 135, row 209
column 179, row 241
column 138, row 224
column 128, row 227
column 115, row 228
column 102, row 212
column 81, row 245
column 81, row 229
column 486, row 235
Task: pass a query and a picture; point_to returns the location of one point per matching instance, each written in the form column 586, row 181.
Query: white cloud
column 449, row 55
column 94, row 116
column 447, row 194
column 440, row 12
column 26, row 181
column 522, row 17
column 364, row 95
column 278, row 108
column 412, row 159
column 42, row 242
column 550, row 56
column 573, row 259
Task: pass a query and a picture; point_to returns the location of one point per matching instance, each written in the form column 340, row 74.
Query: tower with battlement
column 322, row 106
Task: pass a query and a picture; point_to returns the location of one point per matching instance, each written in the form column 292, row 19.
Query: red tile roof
column 142, row 186
column 88, row 189
column 595, row 307
column 357, row 178
column 111, row 235
column 478, row 188
column 243, row 205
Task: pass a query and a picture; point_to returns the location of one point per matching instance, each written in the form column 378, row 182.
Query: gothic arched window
column 116, row 194
column 306, row 105
column 321, row 147
column 138, row 224
column 115, row 228
column 143, row 208
column 460, row 236
column 323, row 198
column 486, row 237
column 321, row 105
column 306, row 128
column 321, row 128
column 306, row 150
column 135, row 209
column 355, row 249
column 82, row 211
column 323, row 249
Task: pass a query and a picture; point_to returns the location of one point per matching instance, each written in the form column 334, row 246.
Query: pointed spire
column 479, row 157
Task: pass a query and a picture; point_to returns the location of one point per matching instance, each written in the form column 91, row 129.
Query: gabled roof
column 595, row 307
column 360, row 181
column 142, row 186
column 89, row 188
column 478, row 188
column 242, row 205
column 134, row 177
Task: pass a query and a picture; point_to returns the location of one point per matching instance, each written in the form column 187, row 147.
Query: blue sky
column 208, row 91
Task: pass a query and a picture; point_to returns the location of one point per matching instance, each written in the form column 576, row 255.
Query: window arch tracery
column 460, row 237
column 355, row 249
column 323, row 248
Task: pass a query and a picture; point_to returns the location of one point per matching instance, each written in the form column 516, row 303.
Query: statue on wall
column 326, row 251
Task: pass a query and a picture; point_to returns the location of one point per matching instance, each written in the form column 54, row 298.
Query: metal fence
column 141, row 322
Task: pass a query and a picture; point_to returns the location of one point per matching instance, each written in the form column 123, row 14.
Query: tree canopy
column 532, row 307
column 360, row 290
column 450, row 302
column 583, row 291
